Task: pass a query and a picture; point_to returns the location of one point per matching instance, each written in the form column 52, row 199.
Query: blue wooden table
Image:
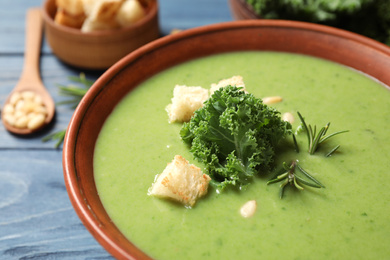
column 37, row 220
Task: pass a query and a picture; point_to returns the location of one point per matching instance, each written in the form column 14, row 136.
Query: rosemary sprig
column 59, row 136
column 76, row 93
column 289, row 176
column 315, row 139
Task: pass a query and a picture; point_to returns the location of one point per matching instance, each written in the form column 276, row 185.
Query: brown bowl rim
column 152, row 11
column 82, row 208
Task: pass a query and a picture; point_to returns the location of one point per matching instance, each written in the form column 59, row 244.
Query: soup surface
column 349, row 219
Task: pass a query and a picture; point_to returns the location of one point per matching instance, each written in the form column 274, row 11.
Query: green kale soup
column 349, row 219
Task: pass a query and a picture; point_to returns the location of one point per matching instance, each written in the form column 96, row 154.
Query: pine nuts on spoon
column 25, row 110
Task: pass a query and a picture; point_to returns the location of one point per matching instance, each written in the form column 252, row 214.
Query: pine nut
column 19, row 113
column 29, row 106
column 19, row 105
column 288, row 117
column 40, row 110
column 38, row 100
column 15, row 98
column 248, row 209
column 8, row 109
column 272, row 100
column 21, row 122
column 28, row 95
column 36, row 122
column 10, row 119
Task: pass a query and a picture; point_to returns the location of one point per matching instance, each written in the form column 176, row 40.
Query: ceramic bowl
column 241, row 10
column 101, row 49
column 360, row 53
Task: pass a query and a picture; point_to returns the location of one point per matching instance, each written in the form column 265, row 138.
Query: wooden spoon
column 30, row 78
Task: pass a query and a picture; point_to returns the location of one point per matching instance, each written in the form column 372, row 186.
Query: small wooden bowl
column 98, row 50
column 358, row 52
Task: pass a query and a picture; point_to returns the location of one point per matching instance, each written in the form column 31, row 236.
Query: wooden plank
column 12, row 24
column 37, row 220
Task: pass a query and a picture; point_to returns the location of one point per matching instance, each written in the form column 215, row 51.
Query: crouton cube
column 105, row 11
column 102, row 16
column 233, row 81
column 185, row 101
column 88, row 6
column 181, row 181
column 130, row 12
column 71, row 7
column 66, row 19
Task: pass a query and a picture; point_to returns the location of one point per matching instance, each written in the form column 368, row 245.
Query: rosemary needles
column 76, row 93
column 315, row 139
column 294, row 174
column 290, row 176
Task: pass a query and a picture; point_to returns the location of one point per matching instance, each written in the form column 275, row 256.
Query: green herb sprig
column 234, row 134
column 289, row 172
column 56, row 136
column 76, row 93
column 315, row 139
column 289, row 176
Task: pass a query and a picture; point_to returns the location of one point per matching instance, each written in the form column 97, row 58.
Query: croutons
column 96, row 15
column 181, row 181
column 233, row 81
column 185, row 101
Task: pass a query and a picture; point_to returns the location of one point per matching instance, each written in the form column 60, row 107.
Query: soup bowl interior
column 360, row 53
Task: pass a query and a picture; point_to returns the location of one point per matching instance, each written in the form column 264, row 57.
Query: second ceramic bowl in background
column 241, row 10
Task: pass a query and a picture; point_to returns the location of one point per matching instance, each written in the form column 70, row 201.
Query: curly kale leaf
column 234, row 134
column 367, row 17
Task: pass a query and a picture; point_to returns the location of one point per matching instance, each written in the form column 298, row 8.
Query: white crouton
column 130, row 12
column 181, row 181
column 185, row 101
column 102, row 16
column 233, row 81
column 90, row 25
column 88, row 6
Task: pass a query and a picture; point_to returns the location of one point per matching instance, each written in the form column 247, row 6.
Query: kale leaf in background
column 367, row 17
